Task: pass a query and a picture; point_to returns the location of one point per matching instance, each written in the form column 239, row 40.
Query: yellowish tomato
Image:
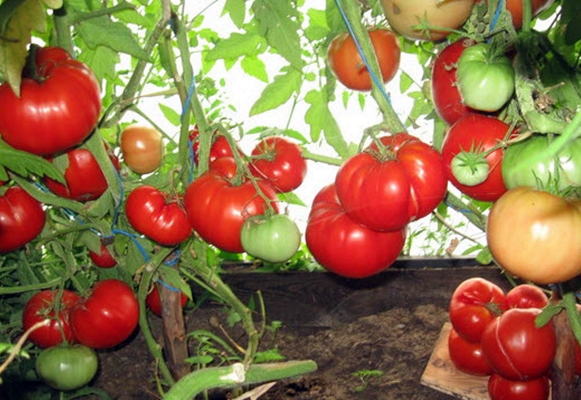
column 535, row 235
column 406, row 16
column 142, row 148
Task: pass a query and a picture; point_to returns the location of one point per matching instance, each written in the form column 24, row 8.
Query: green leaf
column 254, row 66
column 18, row 18
column 405, row 82
column 317, row 28
column 170, row 114
column 237, row 45
column 320, row 118
column 236, row 9
column 171, row 277
column 102, row 31
column 25, row 164
column 278, row 92
column 279, row 23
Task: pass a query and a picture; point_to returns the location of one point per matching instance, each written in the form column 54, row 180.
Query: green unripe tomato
column 67, row 367
column 273, row 239
column 485, row 79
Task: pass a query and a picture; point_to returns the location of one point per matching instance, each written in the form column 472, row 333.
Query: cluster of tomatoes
column 357, row 225
column 495, row 334
column 72, row 325
column 232, row 206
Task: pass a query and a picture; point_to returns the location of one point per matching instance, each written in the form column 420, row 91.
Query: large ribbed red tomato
column 21, row 218
column 54, row 113
column 217, row 208
column 345, row 247
column 386, row 187
column 157, row 216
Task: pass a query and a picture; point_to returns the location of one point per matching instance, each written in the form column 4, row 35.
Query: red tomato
column 279, row 161
column 153, row 300
column 219, row 148
column 515, row 8
column 151, row 213
column 346, row 63
column 22, row 219
column 42, row 306
column 466, row 356
column 48, row 57
column 217, row 208
column 515, row 348
column 107, row 317
column 386, row 189
column 345, row 247
column 480, row 133
column 225, row 166
column 83, row 175
column 53, row 114
column 475, row 303
column 500, row 388
column 526, row 296
column 103, row 259
column 445, row 94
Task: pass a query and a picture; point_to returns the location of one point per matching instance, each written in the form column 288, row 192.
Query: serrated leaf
column 484, row 256
column 278, row 22
column 278, row 92
column 103, row 31
column 236, row 9
column 320, row 118
column 405, row 82
column 255, row 67
column 25, row 164
column 237, row 45
column 171, row 277
column 18, row 18
column 318, row 28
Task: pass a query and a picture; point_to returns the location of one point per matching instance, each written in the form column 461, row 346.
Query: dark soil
column 387, row 325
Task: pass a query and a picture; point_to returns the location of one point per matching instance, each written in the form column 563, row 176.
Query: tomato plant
column 52, row 305
column 516, row 348
column 273, row 238
column 142, row 148
column 83, row 175
column 559, row 173
column 54, row 113
column 467, row 356
column 480, row 134
column 22, row 218
column 348, row 66
column 500, row 388
column 219, row 145
column 150, row 212
column 344, row 246
column 153, row 300
column 485, row 78
column 279, row 161
column 532, row 234
column 445, row 94
column 389, row 185
column 526, row 296
column 475, row 303
column 217, row 208
column 67, row 367
column 404, row 17
column 107, row 316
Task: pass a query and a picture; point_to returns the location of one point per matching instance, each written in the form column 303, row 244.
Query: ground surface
column 387, row 325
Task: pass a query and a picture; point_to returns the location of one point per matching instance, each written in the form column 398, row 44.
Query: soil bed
column 389, row 323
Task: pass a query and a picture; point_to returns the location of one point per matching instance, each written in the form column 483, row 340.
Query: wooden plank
column 442, row 375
